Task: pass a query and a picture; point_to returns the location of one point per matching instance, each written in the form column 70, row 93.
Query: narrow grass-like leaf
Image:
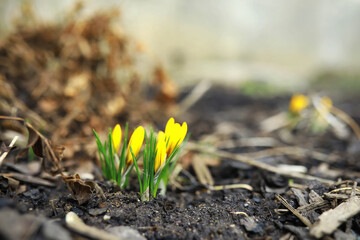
column 137, row 170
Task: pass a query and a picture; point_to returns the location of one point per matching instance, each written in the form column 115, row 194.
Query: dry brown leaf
column 4, row 148
column 168, row 90
column 29, row 179
column 12, row 183
column 82, row 190
column 51, row 156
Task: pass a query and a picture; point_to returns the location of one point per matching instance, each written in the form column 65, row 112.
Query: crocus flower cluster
column 300, row 102
column 157, row 154
column 312, row 113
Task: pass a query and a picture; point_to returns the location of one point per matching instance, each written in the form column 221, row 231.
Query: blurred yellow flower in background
column 298, row 102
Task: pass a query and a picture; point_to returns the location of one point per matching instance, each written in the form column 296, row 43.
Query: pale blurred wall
column 282, row 41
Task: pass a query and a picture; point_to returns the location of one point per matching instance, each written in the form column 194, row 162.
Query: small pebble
column 246, row 204
column 33, row 194
column 107, row 217
column 96, row 211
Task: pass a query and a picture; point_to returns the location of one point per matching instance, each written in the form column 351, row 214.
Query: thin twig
column 344, row 189
column 252, row 162
column 294, row 211
column 232, row 186
column 194, row 96
column 336, row 196
column 240, row 213
column 347, row 119
column 293, row 150
column 4, row 154
column 202, row 171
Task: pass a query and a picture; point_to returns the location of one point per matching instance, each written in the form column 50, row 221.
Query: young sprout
column 298, row 103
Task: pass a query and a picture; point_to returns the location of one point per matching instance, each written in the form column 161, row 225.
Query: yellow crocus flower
column 136, row 141
column 160, row 151
column 174, row 135
column 116, row 137
column 298, row 103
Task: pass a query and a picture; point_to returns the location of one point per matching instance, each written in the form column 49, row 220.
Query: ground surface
column 222, row 118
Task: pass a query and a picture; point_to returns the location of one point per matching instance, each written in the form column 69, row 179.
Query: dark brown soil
column 195, row 212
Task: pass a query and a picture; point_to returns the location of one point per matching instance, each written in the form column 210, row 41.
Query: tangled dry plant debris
column 78, row 75
column 333, row 213
column 250, row 161
column 330, row 220
column 51, row 156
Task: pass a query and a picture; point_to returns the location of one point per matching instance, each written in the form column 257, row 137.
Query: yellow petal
column 160, row 151
column 135, row 143
column 182, row 133
column 297, row 103
column 161, row 136
column 169, row 126
column 174, row 135
column 116, row 137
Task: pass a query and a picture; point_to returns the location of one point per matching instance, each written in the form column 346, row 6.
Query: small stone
column 251, row 224
column 96, row 211
column 107, row 217
column 33, row 194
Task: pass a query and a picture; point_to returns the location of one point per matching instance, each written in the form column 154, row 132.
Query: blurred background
column 287, row 45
